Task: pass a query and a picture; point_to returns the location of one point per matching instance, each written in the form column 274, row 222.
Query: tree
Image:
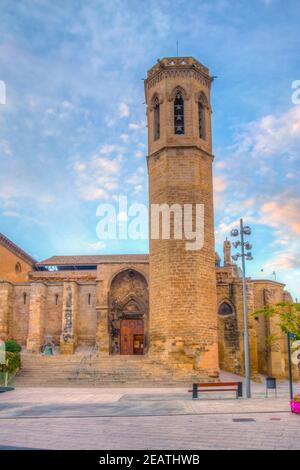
column 288, row 314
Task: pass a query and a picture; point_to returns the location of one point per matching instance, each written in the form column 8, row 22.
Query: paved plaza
column 51, row 418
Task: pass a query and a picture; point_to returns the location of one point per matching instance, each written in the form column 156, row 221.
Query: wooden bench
column 236, row 387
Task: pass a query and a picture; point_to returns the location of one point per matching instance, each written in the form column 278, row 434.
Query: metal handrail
column 87, row 357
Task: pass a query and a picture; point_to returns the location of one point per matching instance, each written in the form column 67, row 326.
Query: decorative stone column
column 102, row 336
column 38, row 294
column 68, row 338
column 6, row 296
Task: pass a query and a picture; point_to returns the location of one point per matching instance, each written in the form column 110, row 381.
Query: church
column 165, row 318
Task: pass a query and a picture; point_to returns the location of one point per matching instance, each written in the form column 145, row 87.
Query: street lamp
column 245, row 255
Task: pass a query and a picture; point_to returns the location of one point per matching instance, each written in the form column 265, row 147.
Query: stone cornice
column 44, row 276
column 268, row 281
column 172, row 67
column 180, row 147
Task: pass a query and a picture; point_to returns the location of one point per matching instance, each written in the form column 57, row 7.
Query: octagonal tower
column 183, row 318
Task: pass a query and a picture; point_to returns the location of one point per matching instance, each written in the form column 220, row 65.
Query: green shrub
column 13, row 362
column 13, row 346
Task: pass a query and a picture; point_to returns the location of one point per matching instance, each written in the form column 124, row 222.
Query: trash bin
column 271, row 385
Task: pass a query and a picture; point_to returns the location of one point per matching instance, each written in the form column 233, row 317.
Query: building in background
column 169, row 317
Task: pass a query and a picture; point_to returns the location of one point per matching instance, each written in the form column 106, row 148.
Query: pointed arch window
column 179, row 113
column 201, row 114
column 156, row 119
column 225, row 309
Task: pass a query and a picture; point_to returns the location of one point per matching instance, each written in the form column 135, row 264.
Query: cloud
column 285, row 260
column 283, row 214
column 11, row 214
column 60, row 111
column 94, row 100
column 124, row 138
column 220, row 183
column 257, row 178
column 98, row 176
column 5, row 149
column 274, row 134
column 139, row 154
column 108, row 149
column 97, row 245
column 137, row 126
column 105, row 165
column 123, row 110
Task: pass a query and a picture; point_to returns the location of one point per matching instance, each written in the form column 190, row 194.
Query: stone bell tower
column 183, row 319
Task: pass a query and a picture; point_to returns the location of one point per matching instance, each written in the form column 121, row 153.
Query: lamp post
column 244, row 230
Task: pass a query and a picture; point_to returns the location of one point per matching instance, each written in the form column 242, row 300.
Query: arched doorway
column 128, row 313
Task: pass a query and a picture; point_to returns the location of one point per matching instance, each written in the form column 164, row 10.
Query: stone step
column 81, row 370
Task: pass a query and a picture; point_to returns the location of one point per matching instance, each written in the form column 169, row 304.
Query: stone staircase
column 92, row 370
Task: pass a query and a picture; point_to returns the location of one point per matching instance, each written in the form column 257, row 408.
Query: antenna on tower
column 177, row 47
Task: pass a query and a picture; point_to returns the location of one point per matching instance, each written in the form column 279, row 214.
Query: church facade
column 178, row 307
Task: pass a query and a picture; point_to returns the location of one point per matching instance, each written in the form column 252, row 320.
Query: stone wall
column 6, row 307
column 30, row 311
column 12, row 267
column 229, row 333
column 53, row 311
column 37, row 317
column 87, row 314
column 231, row 327
column 19, row 319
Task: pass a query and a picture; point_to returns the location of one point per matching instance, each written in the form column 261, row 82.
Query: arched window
column 24, row 298
column 178, row 113
column 56, row 299
column 201, row 114
column 18, row 268
column 225, row 309
column 89, row 299
column 156, row 119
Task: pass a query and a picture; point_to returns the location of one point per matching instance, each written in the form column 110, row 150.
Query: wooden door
column 132, row 337
column 138, row 344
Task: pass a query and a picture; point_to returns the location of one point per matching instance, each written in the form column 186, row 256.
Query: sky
column 73, row 129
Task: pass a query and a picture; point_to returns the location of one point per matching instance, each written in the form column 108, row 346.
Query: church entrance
column 128, row 313
column 132, row 337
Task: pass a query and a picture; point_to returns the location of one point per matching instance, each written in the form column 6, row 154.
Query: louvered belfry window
column 178, row 113
column 156, row 119
column 202, row 124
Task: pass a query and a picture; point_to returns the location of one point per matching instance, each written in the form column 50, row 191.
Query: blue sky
column 72, row 133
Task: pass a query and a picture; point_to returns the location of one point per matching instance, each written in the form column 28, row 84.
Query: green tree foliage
column 288, row 314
